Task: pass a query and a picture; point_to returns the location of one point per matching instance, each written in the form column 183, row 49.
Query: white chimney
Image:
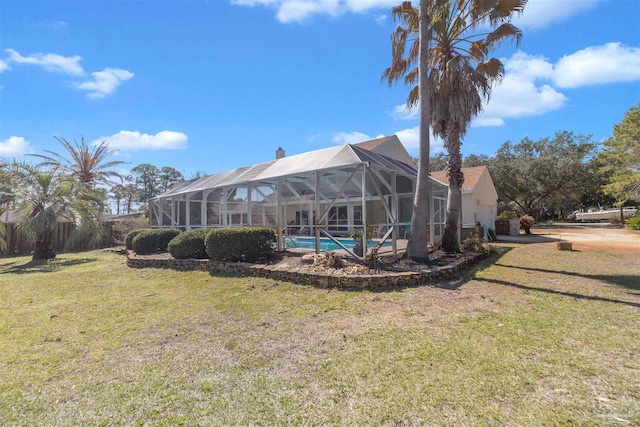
column 279, row 153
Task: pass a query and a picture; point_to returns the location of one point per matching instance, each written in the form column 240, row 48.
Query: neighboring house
column 479, row 197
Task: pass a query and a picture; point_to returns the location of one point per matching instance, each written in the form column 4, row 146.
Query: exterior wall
column 485, row 198
column 468, row 210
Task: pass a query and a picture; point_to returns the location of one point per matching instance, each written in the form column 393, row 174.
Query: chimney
column 279, row 153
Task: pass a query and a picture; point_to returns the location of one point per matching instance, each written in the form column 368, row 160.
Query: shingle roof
column 370, row 145
column 471, row 176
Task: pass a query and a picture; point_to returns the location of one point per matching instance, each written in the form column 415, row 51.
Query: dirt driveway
column 585, row 237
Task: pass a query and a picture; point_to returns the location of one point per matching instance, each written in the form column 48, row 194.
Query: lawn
column 533, row 336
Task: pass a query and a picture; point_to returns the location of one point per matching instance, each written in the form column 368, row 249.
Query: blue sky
column 213, row 85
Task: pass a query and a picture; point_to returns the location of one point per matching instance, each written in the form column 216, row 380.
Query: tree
column 547, row 175
column 118, row 194
column 7, row 195
column 459, row 75
column 89, row 166
column 473, row 160
column 415, row 68
column 146, row 177
column 169, row 177
column 620, row 158
column 438, row 162
column 44, row 196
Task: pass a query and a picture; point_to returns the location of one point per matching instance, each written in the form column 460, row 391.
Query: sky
column 207, row 86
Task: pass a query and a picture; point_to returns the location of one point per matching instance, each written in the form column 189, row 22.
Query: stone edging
column 300, row 276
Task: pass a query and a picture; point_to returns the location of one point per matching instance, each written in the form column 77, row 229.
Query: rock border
column 302, row 277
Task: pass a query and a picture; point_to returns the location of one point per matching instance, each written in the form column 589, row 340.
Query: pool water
column 325, row 244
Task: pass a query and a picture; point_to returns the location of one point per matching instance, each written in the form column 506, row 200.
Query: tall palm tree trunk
column 417, row 247
column 43, row 247
column 450, row 242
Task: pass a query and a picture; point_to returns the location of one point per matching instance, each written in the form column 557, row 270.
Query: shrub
column 240, row 244
column 507, row 215
column 634, row 223
column 473, row 244
column 133, row 233
column 189, row 244
column 526, row 222
column 153, row 240
column 121, row 229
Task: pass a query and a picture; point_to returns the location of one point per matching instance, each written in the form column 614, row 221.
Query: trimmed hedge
column 128, row 241
column 240, row 244
column 189, row 244
column 154, row 240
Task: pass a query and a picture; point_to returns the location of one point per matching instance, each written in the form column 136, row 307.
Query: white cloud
column 402, row 112
column 410, row 138
column 350, row 138
column 541, row 13
column 104, row 82
column 380, row 19
column 133, row 140
column 537, row 13
column 101, row 83
column 300, row 10
column 609, row 63
column 531, row 83
column 49, row 61
column 518, row 97
column 15, row 146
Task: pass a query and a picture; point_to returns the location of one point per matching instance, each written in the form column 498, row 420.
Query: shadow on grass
column 555, row 292
column 44, row 266
column 469, row 273
column 625, row 280
column 526, row 239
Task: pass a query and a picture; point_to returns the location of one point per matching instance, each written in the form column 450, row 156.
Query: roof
column 371, row 144
column 389, row 146
column 326, row 158
column 471, row 176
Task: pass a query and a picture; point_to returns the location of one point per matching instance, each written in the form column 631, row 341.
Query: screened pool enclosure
column 323, row 194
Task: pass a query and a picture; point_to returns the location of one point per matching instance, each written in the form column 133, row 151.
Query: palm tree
column 87, row 165
column 6, row 197
column 44, row 196
column 460, row 75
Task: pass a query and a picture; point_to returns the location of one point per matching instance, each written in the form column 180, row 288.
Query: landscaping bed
column 321, row 271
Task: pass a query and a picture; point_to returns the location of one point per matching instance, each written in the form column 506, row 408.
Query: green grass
column 535, row 337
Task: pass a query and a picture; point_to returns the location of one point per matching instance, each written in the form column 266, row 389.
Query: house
column 479, row 198
column 327, row 192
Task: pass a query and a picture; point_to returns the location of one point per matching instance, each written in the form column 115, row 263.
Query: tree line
column 551, row 177
column 144, row 182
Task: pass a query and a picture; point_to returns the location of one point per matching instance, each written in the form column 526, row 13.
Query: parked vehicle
column 604, row 215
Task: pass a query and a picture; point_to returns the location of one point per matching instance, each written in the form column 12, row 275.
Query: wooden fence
column 19, row 244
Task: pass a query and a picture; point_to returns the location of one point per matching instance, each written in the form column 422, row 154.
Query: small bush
column 473, row 244
column 240, row 244
column 133, row 233
column 526, row 222
column 634, row 223
column 121, row 228
column 507, row 215
column 189, row 244
column 153, row 240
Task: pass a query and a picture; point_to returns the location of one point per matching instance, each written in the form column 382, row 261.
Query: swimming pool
column 325, row 244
